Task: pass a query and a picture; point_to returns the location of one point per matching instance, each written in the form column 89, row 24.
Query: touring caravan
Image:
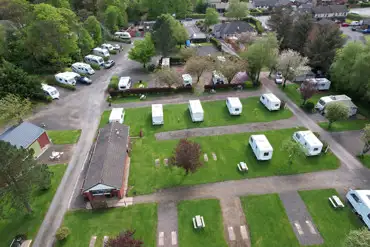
column 324, row 101
column 165, row 62
column 196, row 111
column 122, row 35
column 319, row 83
column 83, row 68
column 270, row 101
column 311, row 145
column 187, row 80
column 261, row 147
column 234, row 105
column 157, row 114
column 101, row 52
column 360, row 203
column 117, row 115
column 124, row 83
column 50, row 91
column 67, row 78
column 92, row 59
column 108, row 47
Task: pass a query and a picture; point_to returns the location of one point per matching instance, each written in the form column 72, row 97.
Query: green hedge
column 364, row 5
column 113, row 84
column 113, row 52
column 354, row 17
column 216, row 43
column 196, row 16
column 95, row 66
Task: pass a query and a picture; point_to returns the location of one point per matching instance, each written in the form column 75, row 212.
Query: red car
column 345, row 24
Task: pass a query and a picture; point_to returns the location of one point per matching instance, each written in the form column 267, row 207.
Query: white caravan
column 101, row 52
column 187, row 80
column 165, row 62
column 270, row 101
column 157, row 114
column 108, row 47
column 50, row 91
column 196, row 111
column 360, row 202
column 261, row 147
column 124, row 83
column 67, row 78
column 234, row 105
column 83, row 68
column 324, row 101
column 122, row 35
column 311, row 145
column 117, row 115
column 319, row 83
column 92, row 59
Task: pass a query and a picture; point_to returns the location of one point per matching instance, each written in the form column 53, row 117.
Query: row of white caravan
column 343, row 99
column 270, row 101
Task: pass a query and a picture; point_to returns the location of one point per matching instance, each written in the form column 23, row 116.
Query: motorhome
column 67, row 78
column 101, row 52
column 270, row 101
column 117, row 115
column 157, row 114
column 50, row 91
column 83, row 68
column 92, row 59
column 324, row 101
column 319, row 83
column 187, row 80
column 122, row 35
column 261, row 147
column 165, row 62
column 310, row 144
column 359, row 200
column 109, row 47
column 218, row 78
column 124, row 83
column 234, row 105
column 196, row 111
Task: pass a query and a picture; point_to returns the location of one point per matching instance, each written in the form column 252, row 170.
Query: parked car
column 109, row 64
column 366, row 31
column 344, row 24
column 279, row 78
column 355, row 23
column 18, row 240
column 116, row 47
column 84, row 80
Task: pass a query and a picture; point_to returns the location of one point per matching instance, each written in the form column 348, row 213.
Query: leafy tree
column 357, row 238
column 187, row 156
column 2, row 40
column 366, row 138
column 196, row 66
column 13, row 108
column 292, row 148
column 336, row 111
column 237, row 9
column 168, row 77
column 186, row 53
column 231, row 67
column 143, row 50
column 111, row 16
column 59, row 3
column 291, row 64
column 299, row 33
column 307, row 90
column 180, row 33
column 92, row 25
column 125, row 239
column 201, row 6
column 16, row 11
column 211, row 17
column 44, row 177
column 281, row 21
column 164, row 34
column 158, row 7
column 85, row 41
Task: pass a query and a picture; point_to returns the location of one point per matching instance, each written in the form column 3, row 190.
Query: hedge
column 354, row 17
column 113, row 52
column 223, row 86
column 113, row 84
column 176, row 60
column 196, row 16
column 152, row 90
column 216, row 43
column 95, row 66
column 364, row 5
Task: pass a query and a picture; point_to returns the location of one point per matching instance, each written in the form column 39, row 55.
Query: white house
column 157, row 114
column 83, row 68
column 196, row 111
column 330, row 12
column 270, row 101
column 234, row 105
column 67, row 78
column 124, row 83
column 309, row 142
column 261, row 147
column 117, row 115
column 360, row 202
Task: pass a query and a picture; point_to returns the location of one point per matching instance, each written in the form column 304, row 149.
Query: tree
column 231, row 67
column 336, row 111
column 17, row 11
column 125, row 239
column 201, row 6
column 143, row 50
column 62, row 233
column 168, row 77
column 156, row 8
column 2, row 40
column 92, row 25
column 180, row 33
column 357, row 238
column 187, row 156
column 299, row 34
column 163, row 34
column 59, row 3
column 281, row 21
column 237, row 9
column 44, row 177
column 293, row 150
column 186, row 53
column 111, row 16
column 196, row 66
column 307, row 90
column 85, row 41
column 366, row 138
column 13, row 108
column 211, row 17
column 291, row 64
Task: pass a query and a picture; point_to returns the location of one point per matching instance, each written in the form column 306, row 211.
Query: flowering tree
column 187, row 156
column 307, row 90
column 125, row 239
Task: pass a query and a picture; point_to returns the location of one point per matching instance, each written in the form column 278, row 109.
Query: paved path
column 167, row 228
column 231, row 129
column 300, row 219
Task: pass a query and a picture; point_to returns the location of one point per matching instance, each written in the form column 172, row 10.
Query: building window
column 368, row 216
column 355, row 198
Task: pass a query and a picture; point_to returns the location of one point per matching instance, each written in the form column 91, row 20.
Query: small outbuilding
column 157, row 114
column 261, row 147
column 234, row 105
column 196, row 111
column 117, row 115
column 310, row 143
column 270, row 101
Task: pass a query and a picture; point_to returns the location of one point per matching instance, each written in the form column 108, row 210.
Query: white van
column 261, row 147
column 344, row 99
column 157, row 114
column 270, row 101
column 311, row 145
column 50, row 91
column 83, row 68
column 122, row 35
column 359, row 200
column 67, row 78
column 187, row 80
column 108, row 47
column 101, row 52
column 234, row 105
column 92, row 59
column 196, row 111
column 117, row 115
column 124, row 83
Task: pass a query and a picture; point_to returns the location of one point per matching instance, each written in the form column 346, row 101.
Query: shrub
column 106, row 59
column 152, row 90
column 196, row 16
column 62, row 233
column 259, row 27
column 151, row 67
column 354, row 16
column 113, row 84
column 364, row 5
column 216, row 43
column 248, row 84
column 282, row 105
column 95, row 66
column 177, row 60
column 68, row 70
column 113, row 52
column 223, row 86
column 309, row 106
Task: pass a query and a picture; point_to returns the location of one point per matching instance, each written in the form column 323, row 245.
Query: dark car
column 84, row 80
column 18, row 240
column 109, row 64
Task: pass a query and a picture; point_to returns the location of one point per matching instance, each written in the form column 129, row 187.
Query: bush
column 68, row 70
column 113, row 52
column 62, row 233
column 364, row 5
column 282, row 105
column 248, row 84
column 309, row 106
column 216, row 43
column 259, row 28
column 196, row 16
column 106, row 58
column 354, row 16
column 152, row 90
column 113, row 84
column 151, row 67
column 177, row 61
column 223, row 86
column 95, row 66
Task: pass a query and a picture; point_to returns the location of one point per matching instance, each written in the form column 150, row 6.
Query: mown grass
column 292, row 91
column 60, row 137
column 346, row 125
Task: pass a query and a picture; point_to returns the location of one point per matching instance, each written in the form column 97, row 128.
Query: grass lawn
column 87, row 223
column 64, row 136
column 211, row 235
column 293, row 93
column 18, row 223
column 333, row 224
column 145, row 177
column 356, row 124
column 268, row 222
column 366, row 160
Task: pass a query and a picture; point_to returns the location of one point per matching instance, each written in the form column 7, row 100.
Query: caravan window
column 321, row 102
column 266, row 154
column 315, row 149
column 263, row 97
column 368, row 216
column 237, row 109
column 276, row 104
column 355, row 198
column 65, row 80
column 298, row 135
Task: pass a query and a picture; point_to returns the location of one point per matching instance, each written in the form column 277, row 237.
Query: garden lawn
column 268, row 223
column 292, row 91
column 15, row 222
column 145, row 177
column 366, row 160
column 355, row 124
column 87, row 223
column 333, row 224
column 211, row 235
column 60, row 137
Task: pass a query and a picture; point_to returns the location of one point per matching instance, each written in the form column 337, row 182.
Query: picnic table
column 198, row 222
column 242, row 166
column 336, row 202
column 55, row 155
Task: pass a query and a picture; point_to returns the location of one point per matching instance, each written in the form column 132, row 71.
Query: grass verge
column 60, row 137
column 365, row 160
column 292, row 91
column 356, row 124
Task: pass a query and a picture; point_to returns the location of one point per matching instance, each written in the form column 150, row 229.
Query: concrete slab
column 92, row 241
column 67, row 150
column 214, row 156
column 167, row 224
column 205, row 157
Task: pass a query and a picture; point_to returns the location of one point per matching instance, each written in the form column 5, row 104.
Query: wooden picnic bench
column 336, row 202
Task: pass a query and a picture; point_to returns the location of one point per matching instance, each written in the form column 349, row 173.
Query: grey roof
column 233, row 28
column 268, row 3
column 22, row 135
column 283, row 2
column 330, row 9
column 108, row 159
column 325, row 22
